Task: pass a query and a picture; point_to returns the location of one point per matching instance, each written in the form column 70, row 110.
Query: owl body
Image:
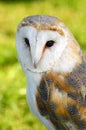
column 55, row 68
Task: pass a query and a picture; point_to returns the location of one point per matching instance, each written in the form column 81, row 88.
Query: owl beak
column 35, row 65
column 36, row 57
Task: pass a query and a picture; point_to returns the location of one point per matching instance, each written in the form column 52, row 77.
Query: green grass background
column 14, row 112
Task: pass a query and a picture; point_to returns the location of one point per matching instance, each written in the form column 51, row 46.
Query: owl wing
column 61, row 98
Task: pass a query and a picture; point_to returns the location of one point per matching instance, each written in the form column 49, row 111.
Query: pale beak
column 36, row 56
column 35, row 65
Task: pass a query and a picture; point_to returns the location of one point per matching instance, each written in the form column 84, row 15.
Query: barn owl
column 55, row 68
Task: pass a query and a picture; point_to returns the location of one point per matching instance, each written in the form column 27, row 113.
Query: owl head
column 44, row 43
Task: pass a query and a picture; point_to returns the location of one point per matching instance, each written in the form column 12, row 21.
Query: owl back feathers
column 61, row 98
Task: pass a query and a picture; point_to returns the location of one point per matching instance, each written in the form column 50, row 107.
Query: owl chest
column 31, row 95
column 47, row 102
column 57, row 102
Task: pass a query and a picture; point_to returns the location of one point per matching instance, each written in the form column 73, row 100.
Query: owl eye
column 50, row 43
column 27, row 41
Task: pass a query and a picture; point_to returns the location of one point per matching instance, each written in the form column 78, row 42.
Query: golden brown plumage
column 61, row 98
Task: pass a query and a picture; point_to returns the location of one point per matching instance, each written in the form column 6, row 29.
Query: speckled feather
column 63, row 100
column 42, row 22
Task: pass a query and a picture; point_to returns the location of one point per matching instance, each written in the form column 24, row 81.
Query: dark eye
column 27, row 41
column 50, row 43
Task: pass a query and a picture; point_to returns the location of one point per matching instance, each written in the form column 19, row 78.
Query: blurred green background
column 14, row 112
